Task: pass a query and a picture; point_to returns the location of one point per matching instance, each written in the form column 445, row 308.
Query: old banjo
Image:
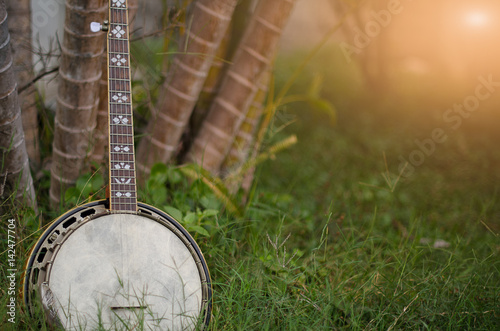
column 119, row 264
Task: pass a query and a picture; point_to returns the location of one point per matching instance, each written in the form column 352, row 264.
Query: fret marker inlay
column 122, row 165
column 120, row 98
column 118, row 31
column 122, row 149
column 119, row 3
column 123, row 181
column 119, row 60
column 120, row 120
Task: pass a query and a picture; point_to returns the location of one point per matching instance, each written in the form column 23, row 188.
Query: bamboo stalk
column 238, row 89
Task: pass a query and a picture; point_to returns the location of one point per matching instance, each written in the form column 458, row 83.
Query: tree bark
column 180, row 92
column 20, row 30
column 77, row 100
column 239, row 86
column 15, row 177
column 245, row 136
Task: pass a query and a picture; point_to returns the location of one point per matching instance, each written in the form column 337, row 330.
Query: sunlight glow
column 477, row 19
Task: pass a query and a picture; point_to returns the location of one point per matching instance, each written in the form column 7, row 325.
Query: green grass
column 334, row 238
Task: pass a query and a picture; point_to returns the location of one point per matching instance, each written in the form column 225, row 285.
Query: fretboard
column 122, row 186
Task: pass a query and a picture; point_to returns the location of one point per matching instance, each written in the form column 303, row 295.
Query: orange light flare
column 477, row 19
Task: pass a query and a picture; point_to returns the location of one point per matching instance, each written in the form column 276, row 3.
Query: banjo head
column 94, row 269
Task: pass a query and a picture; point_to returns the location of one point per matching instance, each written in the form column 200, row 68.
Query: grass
column 335, row 237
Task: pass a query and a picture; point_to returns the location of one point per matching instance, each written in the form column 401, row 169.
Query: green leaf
column 159, row 173
column 215, row 184
column 174, row 212
column 97, row 182
column 174, row 176
column 315, row 87
column 210, row 202
column 159, row 195
column 200, row 230
column 325, row 107
column 190, row 218
column 210, row 212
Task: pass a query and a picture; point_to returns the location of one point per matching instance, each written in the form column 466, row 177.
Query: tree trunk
column 239, row 86
column 182, row 87
column 100, row 141
column 245, row 137
column 15, row 177
column 78, row 93
column 20, row 30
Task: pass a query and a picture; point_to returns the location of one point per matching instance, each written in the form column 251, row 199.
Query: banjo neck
column 122, row 177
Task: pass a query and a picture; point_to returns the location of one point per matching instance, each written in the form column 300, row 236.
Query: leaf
column 195, row 172
column 159, row 173
column 210, row 202
column 159, row 194
column 200, row 230
column 315, row 87
column 174, row 176
column 174, row 212
column 325, row 107
column 210, row 212
column 190, row 218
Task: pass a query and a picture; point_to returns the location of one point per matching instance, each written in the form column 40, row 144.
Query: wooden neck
column 123, row 191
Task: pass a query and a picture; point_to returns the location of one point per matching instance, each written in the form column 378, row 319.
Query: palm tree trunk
column 20, row 30
column 77, row 100
column 245, row 136
column 185, row 80
column 15, row 177
column 238, row 89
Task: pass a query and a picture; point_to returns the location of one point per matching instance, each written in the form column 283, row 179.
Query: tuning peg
column 96, row 26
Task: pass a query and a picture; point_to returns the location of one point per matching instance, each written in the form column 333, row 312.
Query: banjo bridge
column 127, row 307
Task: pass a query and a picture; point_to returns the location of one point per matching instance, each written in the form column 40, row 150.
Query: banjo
column 118, row 263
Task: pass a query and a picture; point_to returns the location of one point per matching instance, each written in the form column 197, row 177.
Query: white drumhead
column 122, row 271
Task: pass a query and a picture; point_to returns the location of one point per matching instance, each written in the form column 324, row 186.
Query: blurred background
column 397, row 73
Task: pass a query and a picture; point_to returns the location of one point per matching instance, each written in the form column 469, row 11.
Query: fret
column 124, row 179
column 120, row 79
column 119, row 159
column 124, row 188
column 121, row 53
column 121, row 127
column 118, row 104
column 119, row 47
column 118, row 136
column 111, row 38
column 118, row 109
column 119, row 85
